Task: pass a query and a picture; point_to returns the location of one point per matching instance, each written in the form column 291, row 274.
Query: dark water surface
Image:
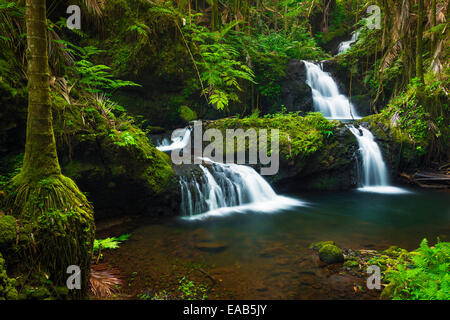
column 266, row 256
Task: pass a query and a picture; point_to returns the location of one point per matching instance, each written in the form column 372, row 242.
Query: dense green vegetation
column 426, row 277
column 77, row 110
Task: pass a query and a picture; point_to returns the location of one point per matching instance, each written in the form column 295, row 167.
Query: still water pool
column 266, row 256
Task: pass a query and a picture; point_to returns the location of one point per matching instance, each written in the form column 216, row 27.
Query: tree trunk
column 433, row 24
column 40, row 159
column 214, row 15
column 419, row 42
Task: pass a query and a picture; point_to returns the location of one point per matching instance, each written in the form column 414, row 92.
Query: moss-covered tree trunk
column 59, row 215
column 419, row 42
column 215, row 15
column 40, row 159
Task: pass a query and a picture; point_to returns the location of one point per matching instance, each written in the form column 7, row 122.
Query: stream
column 265, row 256
column 248, row 242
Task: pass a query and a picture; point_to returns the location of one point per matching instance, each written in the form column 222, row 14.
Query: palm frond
column 95, row 6
column 105, row 280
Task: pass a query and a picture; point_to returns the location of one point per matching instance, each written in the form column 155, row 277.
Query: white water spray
column 177, row 143
column 345, row 45
column 229, row 188
column 326, row 96
column 373, row 174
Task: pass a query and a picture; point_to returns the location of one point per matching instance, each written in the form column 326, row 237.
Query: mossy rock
column 330, row 253
column 61, row 292
column 351, row 263
column 7, row 285
column 320, row 244
column 8, row 230
column 40, row 293
column 312, row 149
column 124, row 166
column 388, row 292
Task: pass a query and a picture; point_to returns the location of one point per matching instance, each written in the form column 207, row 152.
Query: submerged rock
column 211, row 246
column 330, row 253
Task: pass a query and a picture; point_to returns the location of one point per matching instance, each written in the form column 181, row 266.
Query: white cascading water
column 345, row 45
column 177, row 143
column 374, row 174
column 326, row 96
column 229, row 188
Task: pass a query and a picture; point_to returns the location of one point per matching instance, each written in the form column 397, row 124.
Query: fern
column 427, row 278
column 109, row 243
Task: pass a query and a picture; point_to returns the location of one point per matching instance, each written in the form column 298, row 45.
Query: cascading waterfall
column 326, row 96
column 333, row 105
column 373, row 173
column 229, row 188
column 345, row 45
column 177, row 143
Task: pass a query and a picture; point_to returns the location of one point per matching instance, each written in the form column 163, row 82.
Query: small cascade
column 221, row 189
column 326, row 96
column 373, row 172
column 345, row 45
column 177, row 143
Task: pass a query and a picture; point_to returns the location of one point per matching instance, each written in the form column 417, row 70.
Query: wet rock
column 283, row 261
column 307, row 280
column 211, row 246
column 272, row 252
column 330, row 253
column 295, row 93
column 320, row 244
column 261, row 287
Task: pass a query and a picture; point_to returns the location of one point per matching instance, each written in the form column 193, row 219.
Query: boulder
column 115, row 164
column 330, row 253
column 320, row 244
column 295, row 93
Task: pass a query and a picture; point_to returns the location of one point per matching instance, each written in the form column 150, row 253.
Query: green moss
column 7, row 285
column 331, row 254
column 399, row 146
column 187, row 114
column 351, row 263
column 299, row 137
column 388, row 292
column 320, row 244
column 62, row 223
column 8, row 230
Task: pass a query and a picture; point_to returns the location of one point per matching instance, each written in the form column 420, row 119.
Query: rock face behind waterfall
column 331, row 166
column 398, row 149
column 330, row 169
column 295, row 93
column 341, row 75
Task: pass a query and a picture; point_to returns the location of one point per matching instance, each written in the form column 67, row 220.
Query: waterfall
column 221, row 189
column 177, row 143
column 373, row 173
column 326, row 96
column 345, row 45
